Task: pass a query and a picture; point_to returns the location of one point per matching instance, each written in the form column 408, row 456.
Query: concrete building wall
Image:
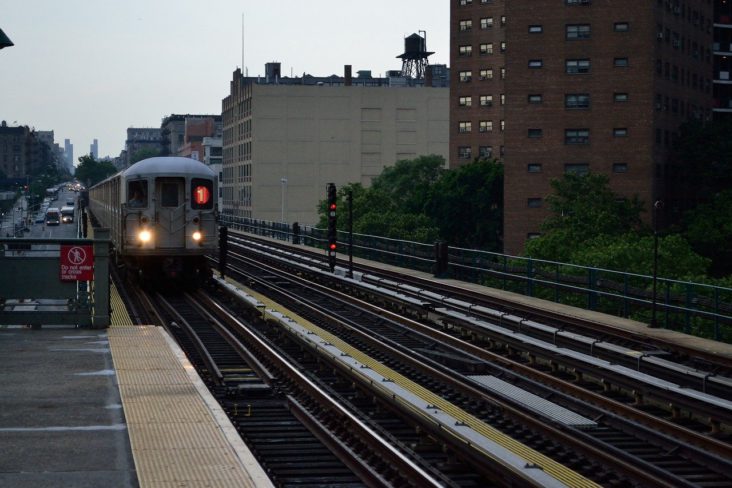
column 313, row 135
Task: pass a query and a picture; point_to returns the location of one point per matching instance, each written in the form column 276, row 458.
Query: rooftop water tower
column 414, row 59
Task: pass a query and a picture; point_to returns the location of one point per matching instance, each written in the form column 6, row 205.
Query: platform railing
column 32, row 291
column 694, row 308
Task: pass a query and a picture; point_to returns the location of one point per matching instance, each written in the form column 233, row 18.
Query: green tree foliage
column 633, row 253
column 583, row 207
column 702, row 160
column 590, row 226
column 467, row 205
column 144, row 153
column 709, row 230
column 419, row 200
column 90, row 171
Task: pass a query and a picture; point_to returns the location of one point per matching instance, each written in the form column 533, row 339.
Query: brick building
column 557, row 86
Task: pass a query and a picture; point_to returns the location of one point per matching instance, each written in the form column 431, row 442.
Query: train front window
column 169, row 195
column 201, row 194
column 137, row 194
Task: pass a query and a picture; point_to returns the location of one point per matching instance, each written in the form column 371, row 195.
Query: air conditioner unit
column 676, row 43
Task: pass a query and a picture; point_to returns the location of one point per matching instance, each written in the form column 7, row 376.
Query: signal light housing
column 332, row 195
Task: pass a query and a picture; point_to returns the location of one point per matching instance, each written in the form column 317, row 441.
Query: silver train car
column 162, row 218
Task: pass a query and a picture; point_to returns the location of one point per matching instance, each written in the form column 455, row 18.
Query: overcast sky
column 89, row 69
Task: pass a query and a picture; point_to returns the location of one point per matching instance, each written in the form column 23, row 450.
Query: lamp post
column 658, row 205
column 284, row 198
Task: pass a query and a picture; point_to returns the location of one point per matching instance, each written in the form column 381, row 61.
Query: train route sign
column 77, row 263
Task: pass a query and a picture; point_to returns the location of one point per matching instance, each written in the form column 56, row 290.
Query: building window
column 465, row 51
column 576, row 136
column 486, row 74
column 620, row 62
column 536, row 29
column 486, row 126
column 503, row 127
column 486, row 100
column 620, row 167
column 465, row 127
column 576, row 2
column 503, row 73
column 534, row 202
column 620, row 97
column 465, row 2
column 577, row 31
column 533, row 168
column 464, row 152
column 576, row 100
column 621, row 27
column 485, row 151
column 466, row 25
column 503, row 99
column 535, row 98
column 465, row 101
column 577, row 66
column 466, row 76
column 486, row 48
column 535, row 63
column 620, row 132
column 534, row 133
column 486, row 23
column 533, row 235
column 580, row 169
column 503, row 46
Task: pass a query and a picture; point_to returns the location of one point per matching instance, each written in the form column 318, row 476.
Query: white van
column 53, row 216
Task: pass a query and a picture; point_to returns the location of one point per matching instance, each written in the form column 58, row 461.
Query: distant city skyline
column 90, row 69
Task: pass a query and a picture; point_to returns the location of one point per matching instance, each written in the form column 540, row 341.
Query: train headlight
column 197, row 236
column 145, row 236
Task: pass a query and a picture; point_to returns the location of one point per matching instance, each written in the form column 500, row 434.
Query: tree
column 407, row 184
column 709, row 230
column 583, row 207
column 466, row 205
column 590, row 226
column 90, row 171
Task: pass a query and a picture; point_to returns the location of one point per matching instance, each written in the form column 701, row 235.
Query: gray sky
column 90, row 69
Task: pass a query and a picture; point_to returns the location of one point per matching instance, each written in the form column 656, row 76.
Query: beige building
column 285, row 139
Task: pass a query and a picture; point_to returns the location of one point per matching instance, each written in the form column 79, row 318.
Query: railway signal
column 332, row 231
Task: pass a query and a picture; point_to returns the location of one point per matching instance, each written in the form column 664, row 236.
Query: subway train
column 162, row 219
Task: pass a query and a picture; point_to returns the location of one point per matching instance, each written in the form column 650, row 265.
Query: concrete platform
column 61, row 419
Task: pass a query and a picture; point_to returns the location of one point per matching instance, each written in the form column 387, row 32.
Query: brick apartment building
column 557, row 86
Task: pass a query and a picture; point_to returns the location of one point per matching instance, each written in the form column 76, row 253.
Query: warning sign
column 77, row 263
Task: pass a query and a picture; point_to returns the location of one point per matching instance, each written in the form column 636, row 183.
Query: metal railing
column 693, row 308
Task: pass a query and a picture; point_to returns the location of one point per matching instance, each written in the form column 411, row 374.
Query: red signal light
column 332, row 246
column 332, row 206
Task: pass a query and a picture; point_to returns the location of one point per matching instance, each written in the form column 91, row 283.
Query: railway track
column 637, row 445
column 626, row 445
column 676, row 382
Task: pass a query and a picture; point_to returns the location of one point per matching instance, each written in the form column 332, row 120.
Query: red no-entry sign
column 77, row 263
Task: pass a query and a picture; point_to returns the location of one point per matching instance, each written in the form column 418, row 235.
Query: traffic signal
column 332, row 231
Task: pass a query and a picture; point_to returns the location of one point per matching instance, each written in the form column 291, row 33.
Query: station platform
column 120, row 407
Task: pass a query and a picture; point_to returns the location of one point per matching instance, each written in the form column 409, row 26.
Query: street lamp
column 284, row 198
column 5, row 40
column 658, row 205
